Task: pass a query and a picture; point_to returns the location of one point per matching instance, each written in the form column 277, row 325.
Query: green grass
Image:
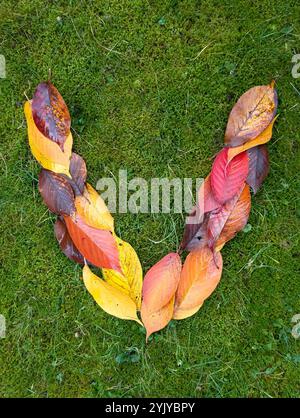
column 143, row 97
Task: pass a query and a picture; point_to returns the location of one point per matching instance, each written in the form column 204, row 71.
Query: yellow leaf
column 111, row 300
column 47, row 152
column 93, row 210
column 131, row 281
column 262, row 138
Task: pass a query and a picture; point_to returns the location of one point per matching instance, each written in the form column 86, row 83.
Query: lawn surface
column 149, row 86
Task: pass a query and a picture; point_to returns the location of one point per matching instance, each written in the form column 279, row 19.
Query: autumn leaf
column 78, row 172
column 195, row 225
column 195, row 235
column 155, row 321
column 206, row 198
column 50, row 113
column 47, row 152
column 161, row 281
column 159, row 287
column 111, row 300
column 228, row 177
column 262, row 138
column 231, row 218
column 199, row 278
column 92, row 208
column 258, row 166
column 131, row 279
column 56, row 192
column 251, row 115
column 66, row 244
column 96, row 245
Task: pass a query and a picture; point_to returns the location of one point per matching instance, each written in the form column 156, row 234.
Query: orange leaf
column 98, row 246
column 158, row 292
column 251, row 115
column 47, row 152
column 199, row 278
column 262, row 138
column 161, row 281
column 155, row 321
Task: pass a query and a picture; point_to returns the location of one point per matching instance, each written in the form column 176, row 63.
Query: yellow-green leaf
column 131, row 281
column 110, row 299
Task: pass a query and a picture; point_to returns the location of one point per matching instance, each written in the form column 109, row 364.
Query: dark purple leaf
column 78, row 172
column 258, row 166
column 56, row 192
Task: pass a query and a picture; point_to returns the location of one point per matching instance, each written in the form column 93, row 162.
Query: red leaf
column 66, row 244
column 96, row 245
column 227, row 178
column 56, row 192
column 206, row 198
column 50, row 113
column 258, row 166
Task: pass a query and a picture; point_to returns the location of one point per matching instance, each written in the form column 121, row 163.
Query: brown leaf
column 78, row 172
column 258, row 166
column 66, row 244
column 50, row 113
column 251, row 115
column 56, row 192
column 262, row 138
column 194, row 235
column 231, row 218
column 196, row 222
